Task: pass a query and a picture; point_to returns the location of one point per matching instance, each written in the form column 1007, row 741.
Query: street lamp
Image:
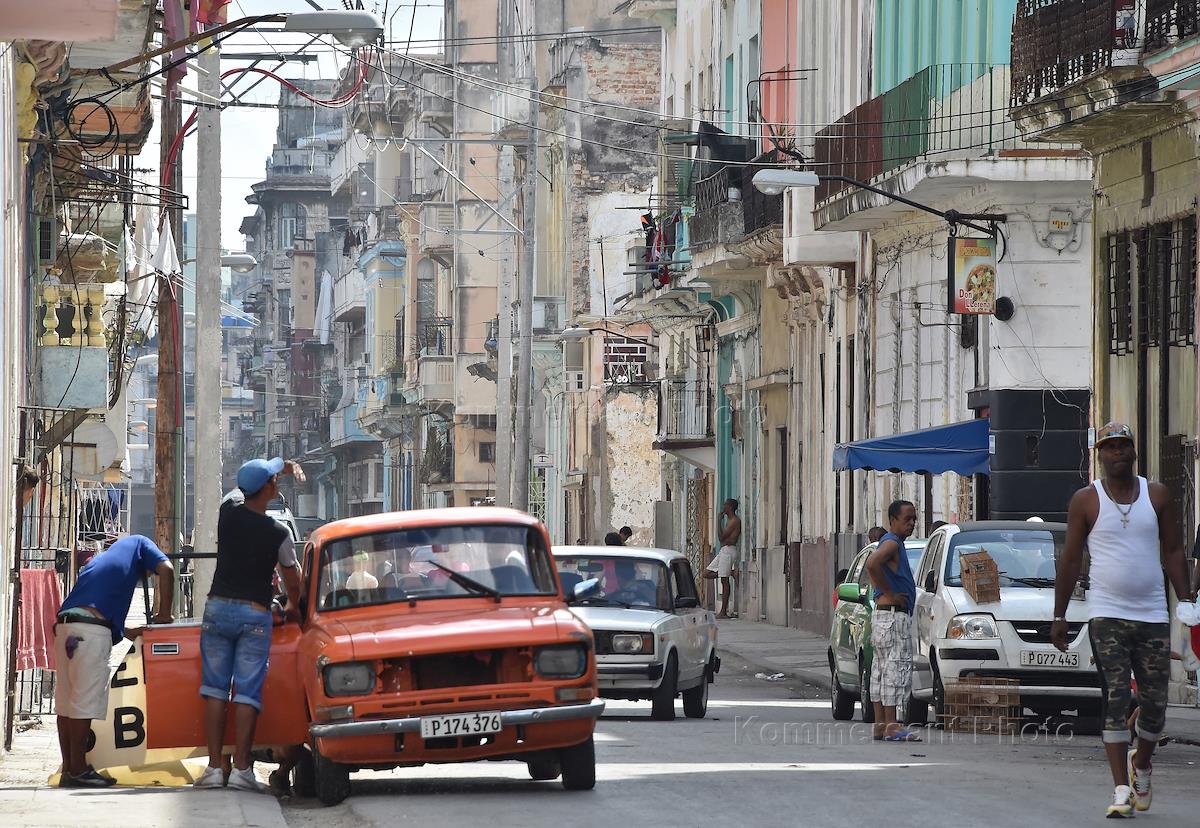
column 775, row 181
column 353, row 28
column 239, row 262
column 577, row 333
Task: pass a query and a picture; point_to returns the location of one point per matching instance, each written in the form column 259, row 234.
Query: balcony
column 512, row 112
column 435, row 381
column 305, row 163
column 350, row 296
column 718, row 218
column 1076, row 65
column 685, row 420
column 434, row 336
column 548, row 315
column 437, row 227
column 437, row 97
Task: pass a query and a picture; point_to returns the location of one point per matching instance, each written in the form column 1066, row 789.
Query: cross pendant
column 1124, row 521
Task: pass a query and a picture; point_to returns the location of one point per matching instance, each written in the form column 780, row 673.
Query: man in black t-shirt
column 235, row 638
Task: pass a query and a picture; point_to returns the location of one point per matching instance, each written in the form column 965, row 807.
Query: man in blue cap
column 235, row 639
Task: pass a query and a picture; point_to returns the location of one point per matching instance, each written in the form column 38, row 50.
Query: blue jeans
column 235, row 641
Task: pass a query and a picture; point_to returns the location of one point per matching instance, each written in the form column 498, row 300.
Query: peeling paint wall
column 633, row 482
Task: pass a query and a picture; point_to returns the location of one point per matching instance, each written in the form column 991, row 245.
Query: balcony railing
column 433, row 336
column 684, row 410
column 1058, row 42
column 946, row 111
column 1170, row 21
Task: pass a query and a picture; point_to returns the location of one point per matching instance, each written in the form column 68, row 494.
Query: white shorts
column 722, row 563
column 81, row 690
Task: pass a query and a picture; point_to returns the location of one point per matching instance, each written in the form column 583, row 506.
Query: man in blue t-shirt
column 89, row 623
column 891, row 624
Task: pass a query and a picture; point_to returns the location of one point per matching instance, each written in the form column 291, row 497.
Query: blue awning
column 238, row 321
column 959, row 447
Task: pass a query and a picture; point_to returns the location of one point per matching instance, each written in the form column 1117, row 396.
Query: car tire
column 864, row 691
column 916, row 711
column 663, row 701
column 695, row 700
column 304, row 781
column 543, row 770
column 578, row 764
column 840, row 701
column 331, row 780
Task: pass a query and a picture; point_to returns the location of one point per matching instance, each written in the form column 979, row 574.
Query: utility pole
column 166, row 448
column 524, row 411
column 206, row 477
column 508, row 273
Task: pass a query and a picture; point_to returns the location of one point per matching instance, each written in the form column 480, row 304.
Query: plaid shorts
column 892, row 661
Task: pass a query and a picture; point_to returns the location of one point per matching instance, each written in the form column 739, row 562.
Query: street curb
column 815, row 678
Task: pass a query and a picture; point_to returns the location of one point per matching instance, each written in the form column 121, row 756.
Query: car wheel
column 864, row 691
column 695, row 701
column 304, row 781
column 663, row 700
column 939, row 693
column 578, row 765
column 841, row 701
column 543, row 770
column 916, row 711
column 331, row 780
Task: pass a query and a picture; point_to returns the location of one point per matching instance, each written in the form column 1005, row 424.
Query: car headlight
column 971, row 627
column 351, row 678
column 561, row 661
column 633, row 643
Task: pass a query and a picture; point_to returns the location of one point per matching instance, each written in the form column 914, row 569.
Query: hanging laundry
column 41, row 596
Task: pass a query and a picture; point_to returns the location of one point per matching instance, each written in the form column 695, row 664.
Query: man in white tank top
column 1132, row 532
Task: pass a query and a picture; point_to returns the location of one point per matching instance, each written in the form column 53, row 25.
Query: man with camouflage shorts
column 891, row 624
column 1131, row 529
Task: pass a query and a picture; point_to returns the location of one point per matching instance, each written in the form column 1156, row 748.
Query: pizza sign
column 971, row 284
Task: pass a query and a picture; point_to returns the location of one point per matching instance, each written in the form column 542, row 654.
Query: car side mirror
column 687, row 602
column 852, row 593
column 930, row 582
column 584, row 589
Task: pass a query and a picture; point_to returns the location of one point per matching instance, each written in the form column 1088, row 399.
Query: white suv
column 957, row 637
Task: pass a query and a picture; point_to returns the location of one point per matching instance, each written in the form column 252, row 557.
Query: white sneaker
column 244, row 780
column 211, row 778
column 1139, row 780
column 1120, row 808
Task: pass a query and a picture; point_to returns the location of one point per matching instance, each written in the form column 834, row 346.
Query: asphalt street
column 770, row 754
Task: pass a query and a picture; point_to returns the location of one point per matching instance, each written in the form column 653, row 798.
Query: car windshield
column 624, row 582
column 1026, row 558
column 914, row 551
column 434, row 562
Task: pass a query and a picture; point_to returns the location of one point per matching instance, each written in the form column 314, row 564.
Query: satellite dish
column 91, row 448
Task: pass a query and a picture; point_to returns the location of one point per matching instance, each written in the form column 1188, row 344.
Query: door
column 175, row 709
column 924, row 612
column 849, row 619
column 696, row 634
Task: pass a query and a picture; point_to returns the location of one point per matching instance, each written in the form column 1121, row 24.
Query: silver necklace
column 1124, row 513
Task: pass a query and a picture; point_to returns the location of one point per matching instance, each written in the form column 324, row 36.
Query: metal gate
column 696, row 533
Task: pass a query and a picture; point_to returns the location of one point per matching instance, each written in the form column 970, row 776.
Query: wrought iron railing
column 1170, row 21
column 759, row 210
column 1058, row 42
column 433, row 336
column 684, row 410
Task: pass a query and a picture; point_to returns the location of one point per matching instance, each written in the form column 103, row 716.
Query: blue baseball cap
column 254, row 474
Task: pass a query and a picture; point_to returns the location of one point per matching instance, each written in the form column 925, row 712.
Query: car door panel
column 175, row 709
column 925, row 611
column 695, row 633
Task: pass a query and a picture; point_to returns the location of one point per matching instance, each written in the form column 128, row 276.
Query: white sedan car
column 957, row 637
column 653, row 639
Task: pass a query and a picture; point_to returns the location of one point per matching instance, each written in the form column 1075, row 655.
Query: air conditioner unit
column 574, row 381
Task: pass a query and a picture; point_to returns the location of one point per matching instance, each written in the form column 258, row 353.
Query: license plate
column 459, row 724
column 1048, row 658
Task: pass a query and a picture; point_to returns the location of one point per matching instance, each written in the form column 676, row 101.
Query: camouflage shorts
column 1121, row 647
column 892, row 658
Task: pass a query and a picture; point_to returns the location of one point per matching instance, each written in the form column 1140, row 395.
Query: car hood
column 1016, row 604
column 619, row 618
column 389, row 634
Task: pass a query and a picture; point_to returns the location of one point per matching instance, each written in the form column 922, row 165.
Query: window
column 292, row 223
column 685, row 582
column 783, row 484
column 487, row 452
column 624, row 360
column 1181, row 297
column 1120, row 299
column 378, row 478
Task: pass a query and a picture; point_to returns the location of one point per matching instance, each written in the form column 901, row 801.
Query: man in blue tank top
column 891, row 623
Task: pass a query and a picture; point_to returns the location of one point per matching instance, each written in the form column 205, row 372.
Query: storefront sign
column 971, row 283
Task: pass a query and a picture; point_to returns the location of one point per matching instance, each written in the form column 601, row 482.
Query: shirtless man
column 724, row 565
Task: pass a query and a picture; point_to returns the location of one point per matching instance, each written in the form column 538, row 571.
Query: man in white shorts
column 724, row 565
column 90, row 621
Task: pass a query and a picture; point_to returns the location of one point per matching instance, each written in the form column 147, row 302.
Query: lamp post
column 775, row 181
column 352, row 29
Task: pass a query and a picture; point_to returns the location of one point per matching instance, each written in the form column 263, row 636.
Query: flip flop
column 902, row 736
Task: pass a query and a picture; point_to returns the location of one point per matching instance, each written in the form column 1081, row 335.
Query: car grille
column 604, row 642
column 1043, row 678
column 1038, row 632
column 467, row 669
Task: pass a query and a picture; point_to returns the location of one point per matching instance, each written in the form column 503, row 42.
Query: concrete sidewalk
column 801, row 655
column 26, row 799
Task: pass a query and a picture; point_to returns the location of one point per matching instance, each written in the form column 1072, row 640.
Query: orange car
column 426, row 636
